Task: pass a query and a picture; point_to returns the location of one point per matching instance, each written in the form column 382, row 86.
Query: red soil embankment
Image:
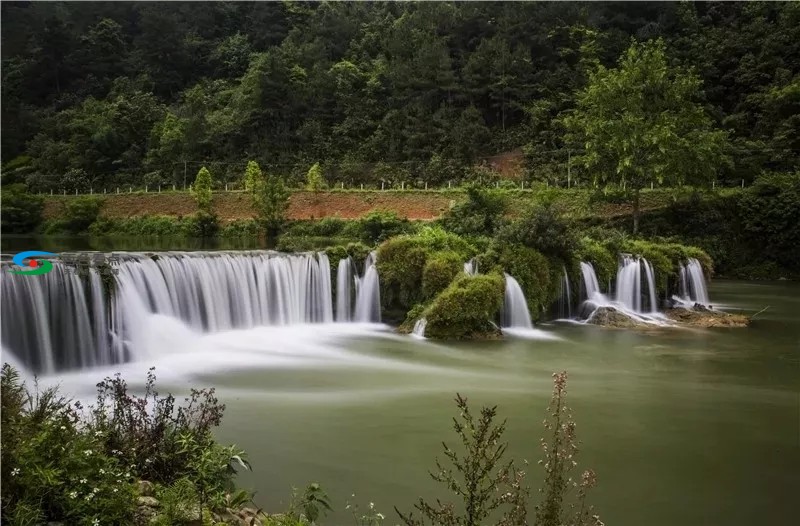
column 302, row 205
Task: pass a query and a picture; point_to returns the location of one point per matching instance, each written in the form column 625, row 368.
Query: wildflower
column 96, row 522
column 372, row 505
column 98, row 433
column 102, row 471
column 73, row 494
column 347, row 507
column 380, row 516
column 115, row 490
column 95, row 490
column 83, row 481
column 15, row 472
column 87, row 452
column 63, row 428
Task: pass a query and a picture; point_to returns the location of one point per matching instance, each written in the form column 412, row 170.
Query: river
column 683, row 427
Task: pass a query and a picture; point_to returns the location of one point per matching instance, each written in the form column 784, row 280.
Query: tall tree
column 642, row 123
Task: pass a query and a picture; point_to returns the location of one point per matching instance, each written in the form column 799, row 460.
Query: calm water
column 683, row 427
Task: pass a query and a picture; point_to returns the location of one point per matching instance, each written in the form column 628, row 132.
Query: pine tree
column 201, row 190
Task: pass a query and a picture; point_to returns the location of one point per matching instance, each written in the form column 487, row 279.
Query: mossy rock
column 439, row 271
column 466, row 308
column 535, row 275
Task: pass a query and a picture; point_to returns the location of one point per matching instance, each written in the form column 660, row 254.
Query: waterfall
column 368, row 296
column 591, row 286
column 515, row 309
column 629, row 292
column 471, row 267
column 565, row 298
column 419, row 328
column 344, row 281
column 65, row 320
column 693, row 283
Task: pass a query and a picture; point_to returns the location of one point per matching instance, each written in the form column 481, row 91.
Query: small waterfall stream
column 368, row 296
column 629, row 291
column 344, row 284
column 515, row 308
column 692, row 286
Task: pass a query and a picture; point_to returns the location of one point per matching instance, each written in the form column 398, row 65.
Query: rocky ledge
column 703, row 317
column 611, row 317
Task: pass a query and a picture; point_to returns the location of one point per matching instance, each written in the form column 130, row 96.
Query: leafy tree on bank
column 253, row 177
column 271, row 200
column 641, row 123
column 201, row 190
column 314, row 179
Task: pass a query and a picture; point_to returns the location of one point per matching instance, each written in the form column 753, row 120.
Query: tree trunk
column 635, row 211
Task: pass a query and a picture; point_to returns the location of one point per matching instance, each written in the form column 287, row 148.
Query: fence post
column 105, row 190
column 742, row 183
column 91, row 191
column 448, row 184
column 76, row 191
column 651, row 185
column 426, row 185
column 65, row 191
column 522, row 185
column 130, row 189
column 362, row 186
column 51, row 191
column 713, row 185
column 381, row 185
column 159, row 189
column 118, row 189
column 342, row 185
column 173, row 187
column 226, row 187
column 145, row 188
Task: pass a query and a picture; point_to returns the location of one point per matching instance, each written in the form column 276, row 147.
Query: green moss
column 466, row 308
column 534, row 273
column 601, row 258
column 439, row 271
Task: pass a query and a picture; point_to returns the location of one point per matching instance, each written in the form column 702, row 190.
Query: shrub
column 253, row 177
column 201, row 189
column 485, row 482
column 240, row 228
column 439, row 271
column 466, row 308
column 544, row 228
column 203, row 224
column 378, row 226
column 315, row 181
column 271, row 201
column 22, row 212
column 480, row 215
column 81, row 212
column 603, row 261
column 53, row 467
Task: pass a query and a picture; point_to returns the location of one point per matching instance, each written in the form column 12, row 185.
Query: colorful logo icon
column 35, row 267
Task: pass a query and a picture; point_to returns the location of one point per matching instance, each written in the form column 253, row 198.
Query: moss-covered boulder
column 466, row 308
column 402, row 261
column 439, row 271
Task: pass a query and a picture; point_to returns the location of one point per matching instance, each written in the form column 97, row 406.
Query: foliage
column 253, row 177
column 478, row 476
column 439, row 271
column 640, row 123
column 603, row 261
column 481, row 214
column 22, row 211
column 271, row 201
column 401, row 261
column 81, row 212
column 314, row 178
column 53, row 466
column 559, row 461
column 178, row 503
column 378, row 226
column 770, row 214
column 534, row 274
column 544, row 227
column 203, row 225
column 201, row 190
column 466, row 308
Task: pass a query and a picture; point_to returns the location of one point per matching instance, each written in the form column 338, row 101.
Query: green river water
column 683, row 427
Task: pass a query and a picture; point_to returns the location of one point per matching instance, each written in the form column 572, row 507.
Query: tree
column 271, row 200
column 641, row 123
column 314, row 179
column 252, row 177
column 201, row 190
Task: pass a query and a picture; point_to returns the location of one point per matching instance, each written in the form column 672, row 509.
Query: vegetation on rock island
column 152, row 461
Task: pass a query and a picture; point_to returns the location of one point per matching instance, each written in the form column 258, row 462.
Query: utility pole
column 569, row 168
column 184, row 175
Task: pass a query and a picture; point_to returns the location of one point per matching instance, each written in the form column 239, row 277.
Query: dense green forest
column 108, row 93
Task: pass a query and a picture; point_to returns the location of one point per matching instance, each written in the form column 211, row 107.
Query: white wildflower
column 372, row 505
column 87, row 452
column 380, row 516
column 83, row 481
column 73, row 494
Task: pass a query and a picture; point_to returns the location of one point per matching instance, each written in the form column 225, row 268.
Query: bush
column 439, row 271
column 53, row 466
column 378, row 226
column 81, row 212
column 240, row 228
column 466, row 308
column 480, row 215
column 601, row 258
column 201, row 189
column 203, row 224
column 544, row 228
column 22, row 212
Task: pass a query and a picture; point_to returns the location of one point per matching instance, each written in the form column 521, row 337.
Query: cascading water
column 693, row 283
column 62, row 320
column 629, row 292
column 344, row 283
column 565, row 297
column 515, row 308
column 591, row 286
column 419, row 328
column 368, row 297
column 471, row 267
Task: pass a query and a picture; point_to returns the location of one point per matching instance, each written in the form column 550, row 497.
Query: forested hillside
column 117, row 93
